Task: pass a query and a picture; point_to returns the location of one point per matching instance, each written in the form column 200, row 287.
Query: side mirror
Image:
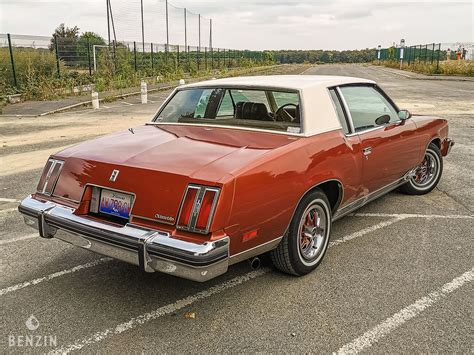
column 404, row 115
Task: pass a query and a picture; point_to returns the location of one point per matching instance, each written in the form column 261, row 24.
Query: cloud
column 297, row 24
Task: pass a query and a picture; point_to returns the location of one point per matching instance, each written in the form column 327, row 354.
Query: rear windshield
column 259, row 109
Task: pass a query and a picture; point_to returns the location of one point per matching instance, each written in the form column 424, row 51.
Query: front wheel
column 306, row 241
column 427, row 174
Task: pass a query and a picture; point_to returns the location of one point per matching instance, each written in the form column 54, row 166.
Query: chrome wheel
column 427, row 172
column 312, row 233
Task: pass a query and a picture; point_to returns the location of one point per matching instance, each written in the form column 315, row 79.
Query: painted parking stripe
column 88, row 265
column 17, row 287
column 3, row 199
column 160, row 312
column 411, row 215
column 184, row 302
column 19, row 239
column 126, row 103
column 372, row 336
column 365, row 231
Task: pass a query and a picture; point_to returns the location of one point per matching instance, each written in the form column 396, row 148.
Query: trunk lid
column 157, row 162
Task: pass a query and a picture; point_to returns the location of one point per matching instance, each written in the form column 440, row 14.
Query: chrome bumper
column 150, row 249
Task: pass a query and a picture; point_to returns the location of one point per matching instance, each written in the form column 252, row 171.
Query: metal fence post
column 135, row 54
column 177, row 56
column 437, row 61
column 198, row 59
column 212, row 58
column 205, row 58
column 57, row 56
column 12, row 60
column 224, row 59
column 426, row 52
column 151, row 50
column 432, row 53
column 218, row 58
column 89, row 56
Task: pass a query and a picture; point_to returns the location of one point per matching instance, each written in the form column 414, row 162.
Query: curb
column 118, row 96
column 426, row 77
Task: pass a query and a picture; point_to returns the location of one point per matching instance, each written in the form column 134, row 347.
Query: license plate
column 115, row 203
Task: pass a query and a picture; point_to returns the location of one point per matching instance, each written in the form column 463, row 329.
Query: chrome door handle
column 367, row 151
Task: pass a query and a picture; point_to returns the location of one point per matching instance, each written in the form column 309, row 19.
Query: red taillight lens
column 50, row 176
column 197, row 208
column 187, row 207
column 206, row 208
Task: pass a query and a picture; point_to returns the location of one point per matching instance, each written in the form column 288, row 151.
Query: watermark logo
column 32, row 340
column 32, row 323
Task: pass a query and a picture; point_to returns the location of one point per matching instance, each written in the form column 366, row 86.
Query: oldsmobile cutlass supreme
column 229, row 169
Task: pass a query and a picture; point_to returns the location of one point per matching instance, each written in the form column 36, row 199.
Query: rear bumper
column 446, row 146
column 151, row 250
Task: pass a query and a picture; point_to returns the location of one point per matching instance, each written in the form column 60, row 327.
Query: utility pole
column 210, row 33
column 143, row 27
column 185, row 32
column 167, row 29
column 108, row 20
column 199, row 25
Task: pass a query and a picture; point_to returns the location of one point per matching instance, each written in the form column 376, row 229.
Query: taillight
column 197, row 208
column 50, row 176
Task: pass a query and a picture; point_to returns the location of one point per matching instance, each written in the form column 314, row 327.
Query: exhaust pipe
column 255, row 263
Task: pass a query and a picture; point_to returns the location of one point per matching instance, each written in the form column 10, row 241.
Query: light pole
column 402, row 48
column 379, row 49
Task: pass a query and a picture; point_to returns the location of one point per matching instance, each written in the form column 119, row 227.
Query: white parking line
column 17, row 287
column 412, row 215
column 365, row 231
column 159, row 312
column 372, row 336
column 19, row 239
column 126, row 103
column 3, row 199
column 184, row 302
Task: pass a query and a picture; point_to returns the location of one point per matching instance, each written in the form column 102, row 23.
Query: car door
column 389, row 146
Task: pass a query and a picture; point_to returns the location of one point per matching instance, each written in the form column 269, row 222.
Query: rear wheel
column 306, row 241
column 427, row 174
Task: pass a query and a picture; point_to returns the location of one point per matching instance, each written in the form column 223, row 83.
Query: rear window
column 259, row 109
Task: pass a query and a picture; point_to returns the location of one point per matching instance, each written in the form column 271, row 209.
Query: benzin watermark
column 32, row 340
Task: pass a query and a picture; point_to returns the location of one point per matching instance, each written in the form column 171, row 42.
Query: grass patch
column 448, row 67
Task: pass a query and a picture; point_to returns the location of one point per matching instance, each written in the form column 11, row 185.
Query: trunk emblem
column 114, row 175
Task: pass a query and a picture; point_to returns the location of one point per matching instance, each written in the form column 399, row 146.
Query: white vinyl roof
column 291, row 82
column 318, row 111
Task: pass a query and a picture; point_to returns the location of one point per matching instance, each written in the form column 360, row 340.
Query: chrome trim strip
column 372, row 196
column 197, row 208
column 250, row 253
column 54, row 162
column 341, row 197
column 348, row 113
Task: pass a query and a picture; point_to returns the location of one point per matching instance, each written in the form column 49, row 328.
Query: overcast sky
column 259, row 24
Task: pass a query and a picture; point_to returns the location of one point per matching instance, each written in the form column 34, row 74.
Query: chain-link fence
column 433, row 56
column 28, row 60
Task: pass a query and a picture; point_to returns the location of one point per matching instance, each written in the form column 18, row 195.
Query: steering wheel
column 283, row 115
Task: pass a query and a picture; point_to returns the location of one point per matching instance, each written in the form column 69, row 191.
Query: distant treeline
column 324, row 56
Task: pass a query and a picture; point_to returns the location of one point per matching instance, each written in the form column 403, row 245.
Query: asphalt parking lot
column 396, row 279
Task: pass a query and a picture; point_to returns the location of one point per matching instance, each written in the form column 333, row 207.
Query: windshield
column 259, row 109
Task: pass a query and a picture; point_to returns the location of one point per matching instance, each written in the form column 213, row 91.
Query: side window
column 339, row 110
column 201, row 106
column 227, row 107
column 366, row 105
column 283, row 98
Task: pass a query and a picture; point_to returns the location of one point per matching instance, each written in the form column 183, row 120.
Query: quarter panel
column 267, row 193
